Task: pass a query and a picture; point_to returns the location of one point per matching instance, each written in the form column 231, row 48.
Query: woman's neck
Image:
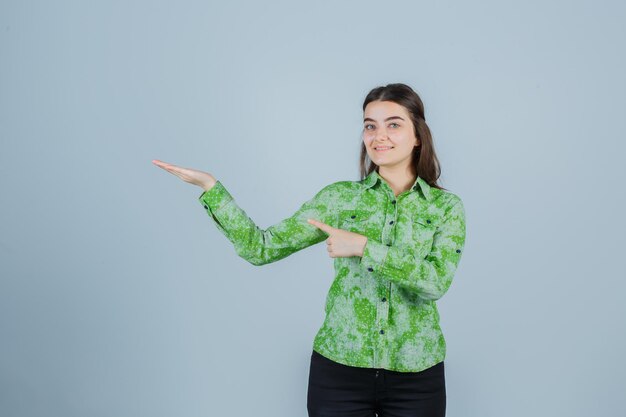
column 399, row 179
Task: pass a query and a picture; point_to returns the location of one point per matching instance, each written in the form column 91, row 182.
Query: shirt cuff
column 216, row 197
column 374, row 255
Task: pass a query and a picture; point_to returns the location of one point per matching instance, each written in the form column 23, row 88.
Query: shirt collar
column 374, row 178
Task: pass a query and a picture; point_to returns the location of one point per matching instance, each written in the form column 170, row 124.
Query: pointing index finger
column 322, row 226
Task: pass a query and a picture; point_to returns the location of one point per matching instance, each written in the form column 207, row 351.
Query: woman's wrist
column 208, row 185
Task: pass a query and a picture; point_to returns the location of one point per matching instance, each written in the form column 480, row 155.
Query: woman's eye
column 390, row 124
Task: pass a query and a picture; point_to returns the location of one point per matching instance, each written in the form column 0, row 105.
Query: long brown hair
column 424, row 157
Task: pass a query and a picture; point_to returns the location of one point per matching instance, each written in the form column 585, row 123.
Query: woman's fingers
column 163, row 165
column 170, row 167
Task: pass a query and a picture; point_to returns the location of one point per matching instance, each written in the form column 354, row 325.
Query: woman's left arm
column 431, row 276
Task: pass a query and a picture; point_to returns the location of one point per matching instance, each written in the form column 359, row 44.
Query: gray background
column 119, row 297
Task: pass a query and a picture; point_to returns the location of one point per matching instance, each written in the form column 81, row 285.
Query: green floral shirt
column 380, row 308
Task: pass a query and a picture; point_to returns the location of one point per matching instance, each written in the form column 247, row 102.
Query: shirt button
column 391, row 222
column 370, row 269
column 393, row 202
column 383, row 299
column 206, row 207
column 427, row 221
column 353, row 216
column 382, row 332
column 458, row 251
column 388, row 244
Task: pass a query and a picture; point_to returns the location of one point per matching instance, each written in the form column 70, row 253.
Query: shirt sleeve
column 431, row 276
column 259, row 246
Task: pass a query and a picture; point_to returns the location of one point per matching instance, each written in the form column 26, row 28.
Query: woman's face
column 388, row 134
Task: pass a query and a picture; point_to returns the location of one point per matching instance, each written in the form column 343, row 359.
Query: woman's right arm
column 262, row 246
column 256, row 245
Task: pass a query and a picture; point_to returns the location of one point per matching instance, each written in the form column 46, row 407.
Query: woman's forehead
column 384, row 109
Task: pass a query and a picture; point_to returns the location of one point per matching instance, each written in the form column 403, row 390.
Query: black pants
column 338, row 390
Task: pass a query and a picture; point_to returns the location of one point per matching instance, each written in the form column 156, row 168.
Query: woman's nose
column 381, row 133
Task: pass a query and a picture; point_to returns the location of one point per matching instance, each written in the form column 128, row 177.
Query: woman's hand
column 202, row 179
column 341, row 243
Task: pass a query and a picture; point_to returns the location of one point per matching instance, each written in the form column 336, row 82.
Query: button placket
column 382, row 318
column 382, row 306
column 390, row 222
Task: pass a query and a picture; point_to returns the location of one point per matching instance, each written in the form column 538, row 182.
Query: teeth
column 384, row 148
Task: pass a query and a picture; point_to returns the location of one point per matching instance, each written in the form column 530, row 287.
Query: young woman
column 396, row 237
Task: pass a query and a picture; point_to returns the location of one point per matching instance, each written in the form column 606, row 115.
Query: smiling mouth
column 383, row 148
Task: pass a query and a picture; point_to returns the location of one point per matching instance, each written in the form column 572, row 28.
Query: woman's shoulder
column 444, row 200
column 446, row 196
column 342, row 187
column 338, row 192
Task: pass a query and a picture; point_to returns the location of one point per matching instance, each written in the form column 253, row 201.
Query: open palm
column 190, row 175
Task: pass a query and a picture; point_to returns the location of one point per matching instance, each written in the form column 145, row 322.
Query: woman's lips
column 383, row 149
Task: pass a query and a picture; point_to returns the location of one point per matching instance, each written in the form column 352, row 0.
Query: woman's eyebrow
column 387, row 119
